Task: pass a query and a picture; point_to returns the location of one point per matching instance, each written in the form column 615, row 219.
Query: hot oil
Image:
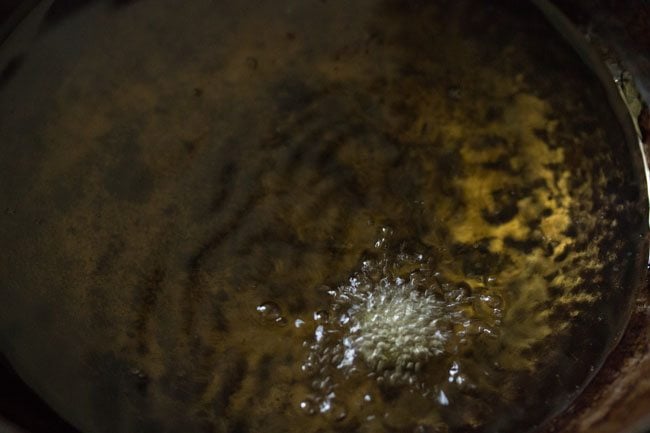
column 378, row 217
column 483, row 172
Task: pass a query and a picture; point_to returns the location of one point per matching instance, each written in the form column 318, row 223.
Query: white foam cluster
column 386, row 321
column 395, row 328
column 400, row 322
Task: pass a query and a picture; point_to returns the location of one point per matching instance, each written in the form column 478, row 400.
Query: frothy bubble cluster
column 400, row 323
column 394, row 326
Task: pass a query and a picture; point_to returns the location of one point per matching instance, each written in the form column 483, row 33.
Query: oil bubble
column 321, row 316
column 338, row 412
column 493, row 301
column 309, row 406
column 271, row 312
column 308, row 368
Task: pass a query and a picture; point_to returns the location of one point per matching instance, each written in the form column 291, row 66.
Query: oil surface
column 311, row 216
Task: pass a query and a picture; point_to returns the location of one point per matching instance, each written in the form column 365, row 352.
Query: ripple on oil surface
column 206, row 190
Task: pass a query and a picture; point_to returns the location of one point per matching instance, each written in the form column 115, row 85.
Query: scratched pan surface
column 200, row 203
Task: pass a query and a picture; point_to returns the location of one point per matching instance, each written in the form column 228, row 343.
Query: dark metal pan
column 325, row 216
